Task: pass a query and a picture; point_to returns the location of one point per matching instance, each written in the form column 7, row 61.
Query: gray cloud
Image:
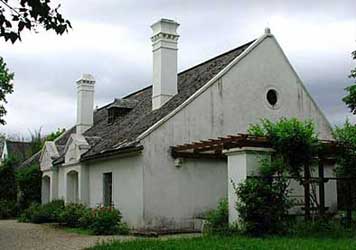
column 110, row 39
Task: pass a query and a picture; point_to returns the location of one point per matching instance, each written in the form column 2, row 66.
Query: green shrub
column 47, row 213
column 263, row 206
column 26, row 215
column 106, row 221
column 40, row 215
column 218, row 219
column 29, row 184
column 7, row 209
column 101, row 221
column 71, row 214
column 86, row 219
column 54, row 208
column 123, row 228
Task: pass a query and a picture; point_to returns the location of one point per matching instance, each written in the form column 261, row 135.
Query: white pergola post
column 242, row 162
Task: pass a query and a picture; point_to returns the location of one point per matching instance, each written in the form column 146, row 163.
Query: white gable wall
column 228, row 106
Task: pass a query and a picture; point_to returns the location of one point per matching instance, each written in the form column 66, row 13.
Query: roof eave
column 126, row 151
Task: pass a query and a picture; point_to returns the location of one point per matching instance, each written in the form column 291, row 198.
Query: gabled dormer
column 48, row 154
column 75, row 147
column 119, row 108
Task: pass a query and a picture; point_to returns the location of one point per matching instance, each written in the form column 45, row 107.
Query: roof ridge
column 216, row 57
column 195, row 66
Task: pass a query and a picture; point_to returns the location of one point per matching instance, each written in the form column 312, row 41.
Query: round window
column 272, row 97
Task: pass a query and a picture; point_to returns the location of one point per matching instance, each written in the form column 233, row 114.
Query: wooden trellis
column 213, row 148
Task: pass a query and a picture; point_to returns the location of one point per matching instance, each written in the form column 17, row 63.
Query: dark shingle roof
column 18, row 149
column 123, row 132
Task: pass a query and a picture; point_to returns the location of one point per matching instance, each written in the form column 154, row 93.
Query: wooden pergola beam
column 237, row 141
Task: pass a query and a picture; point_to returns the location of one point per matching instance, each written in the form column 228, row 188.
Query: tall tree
column 6, row 87
column 350, row 99
column 29, row 14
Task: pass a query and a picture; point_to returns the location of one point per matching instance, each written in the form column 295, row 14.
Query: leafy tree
column 29, row 184
column 346, row 155
column 350, row 99
column 54, row 135
column 37, row 141
column 8, row 189
column 6, row 87
column 17, row 15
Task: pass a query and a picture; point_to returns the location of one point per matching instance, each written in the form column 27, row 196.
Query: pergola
column 214, row 148
column 243, row 153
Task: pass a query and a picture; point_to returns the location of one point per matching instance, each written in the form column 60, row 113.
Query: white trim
column 206, row 86
column 234, row 151
column 302, row 84
column 220, row 74
column 4, row 154
column 71, row 164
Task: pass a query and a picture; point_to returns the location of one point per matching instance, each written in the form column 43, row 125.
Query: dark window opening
column 107, row 189
column 272, row 97
column 116, row 112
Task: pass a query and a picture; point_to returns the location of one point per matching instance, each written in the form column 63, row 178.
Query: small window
column 107, row 189
column 272, row 97
column 113, row 113
column 116, row 112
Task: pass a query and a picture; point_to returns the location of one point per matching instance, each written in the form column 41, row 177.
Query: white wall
column 127, row 185
column 229, row 106
column 175, row 197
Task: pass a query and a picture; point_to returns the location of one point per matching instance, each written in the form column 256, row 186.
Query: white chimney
column 85, row 103
column 164, row 43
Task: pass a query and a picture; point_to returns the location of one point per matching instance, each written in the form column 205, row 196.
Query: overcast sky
column 110, row 39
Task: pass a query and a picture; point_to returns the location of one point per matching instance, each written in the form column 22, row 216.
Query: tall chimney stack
column 85, row 103
column 164, row 44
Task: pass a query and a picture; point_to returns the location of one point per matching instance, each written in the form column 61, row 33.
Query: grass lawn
column 235, row 243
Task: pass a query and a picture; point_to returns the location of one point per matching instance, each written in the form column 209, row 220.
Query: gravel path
column 21, row 236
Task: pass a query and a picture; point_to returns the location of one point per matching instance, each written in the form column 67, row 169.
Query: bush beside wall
column 218, row 219
column 101, row 221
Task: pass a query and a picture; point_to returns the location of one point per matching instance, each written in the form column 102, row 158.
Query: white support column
column 54, row 185
column 84, row 185
column 242, row 162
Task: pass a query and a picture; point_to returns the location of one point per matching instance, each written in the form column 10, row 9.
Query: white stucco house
column 121, row 153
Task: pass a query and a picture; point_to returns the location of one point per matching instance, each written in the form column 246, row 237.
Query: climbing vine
column 263, row 202
column 295, row 142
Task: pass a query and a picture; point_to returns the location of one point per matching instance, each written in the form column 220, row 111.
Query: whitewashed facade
column 149, row 186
